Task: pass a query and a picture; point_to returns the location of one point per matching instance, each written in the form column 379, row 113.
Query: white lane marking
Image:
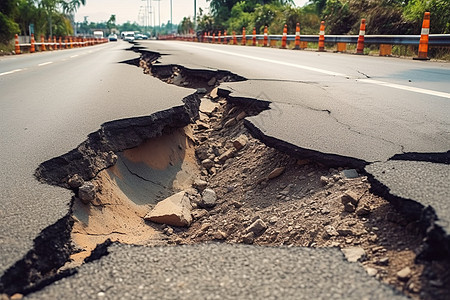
column 371, row 81
column 44, row 64
column 73, row 56
column 274, row 61
column 10, row 72
column 407, row 88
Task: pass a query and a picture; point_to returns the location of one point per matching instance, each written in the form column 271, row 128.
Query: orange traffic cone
column 32, row 48
column 17, row 47
column 297, row 37
column 265, row 36
column 234, row 38
column 71, row 42
column 322, row 37
column 254, row 36
column 244, row 39
column 60, row 43
column 225, row 39
column 284, row 38
column 49, row 41
column 43, row 48
column 54, row 42
column 214, row 38
column 423, row 43
column 220, row 37
column 362, row 32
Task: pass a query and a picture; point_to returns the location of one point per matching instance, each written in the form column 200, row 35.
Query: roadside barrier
column 362, row 32
column 32, row 47
column 284, row 38
column 423, row 43
column 322, row 37
column 43, row 48
column 385, row 42
column 265, row 36
column 297, row 37
column 17, row 47
column 55, row 43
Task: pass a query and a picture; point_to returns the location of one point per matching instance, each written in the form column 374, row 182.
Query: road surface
column 366, row 109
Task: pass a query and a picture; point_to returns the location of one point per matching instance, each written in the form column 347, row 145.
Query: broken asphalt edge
column 52, row 247
column 437, row 241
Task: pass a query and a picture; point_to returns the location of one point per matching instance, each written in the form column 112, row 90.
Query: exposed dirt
column 119, row 207
column 302, row 206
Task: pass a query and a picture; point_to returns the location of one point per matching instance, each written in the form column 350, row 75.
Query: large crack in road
column 269, row 192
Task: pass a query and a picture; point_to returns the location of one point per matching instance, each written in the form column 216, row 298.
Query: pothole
column 234, row 188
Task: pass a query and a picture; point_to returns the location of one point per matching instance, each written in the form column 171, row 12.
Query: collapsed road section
column 196, row 173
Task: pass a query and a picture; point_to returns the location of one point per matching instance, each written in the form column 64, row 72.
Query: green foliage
column 439, row 14
column 7, row 28
column 186, row 26
column 338, row 15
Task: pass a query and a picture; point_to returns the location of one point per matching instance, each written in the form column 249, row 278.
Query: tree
column 8, row 27
column 111, row 23
column 186, row 26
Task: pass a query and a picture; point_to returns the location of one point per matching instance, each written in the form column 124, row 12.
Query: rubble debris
column 86, row 192
column 208, row 198
column 75, row 181
column 404, row 274
column 276, row 172
column 354, row 254
column 240, row 142
column 174, row 211
column 200, row 184
column 257, row 227
column 350, row 173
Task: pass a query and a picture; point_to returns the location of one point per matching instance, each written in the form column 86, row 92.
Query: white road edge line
column 10, row 72
column 73, row 56
column 46, row 63
column 407, row 88
column 371, row 81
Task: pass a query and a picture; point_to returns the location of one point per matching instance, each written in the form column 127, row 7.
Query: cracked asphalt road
column 62, row 103
column 332, row 87
column 356, row 110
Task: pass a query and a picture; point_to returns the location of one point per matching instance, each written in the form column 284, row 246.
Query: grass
column 6, row 49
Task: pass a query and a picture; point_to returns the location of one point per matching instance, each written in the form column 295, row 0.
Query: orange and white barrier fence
column 54, row 43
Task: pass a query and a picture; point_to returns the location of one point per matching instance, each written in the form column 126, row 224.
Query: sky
column 134, row 10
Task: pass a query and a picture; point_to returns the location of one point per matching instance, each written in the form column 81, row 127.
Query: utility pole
column 171, row 23
column 195, row 14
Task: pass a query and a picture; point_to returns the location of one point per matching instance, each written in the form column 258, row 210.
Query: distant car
column 112, row 37
column 140, row 36
column 129, row 37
